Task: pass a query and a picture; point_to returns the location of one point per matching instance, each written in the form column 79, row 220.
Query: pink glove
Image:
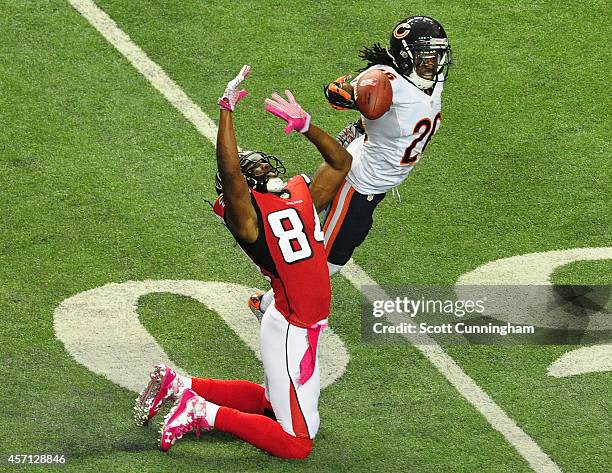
column 290, row 111
column 232, row 96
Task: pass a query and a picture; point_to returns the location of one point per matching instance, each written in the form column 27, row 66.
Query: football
column 374, row 94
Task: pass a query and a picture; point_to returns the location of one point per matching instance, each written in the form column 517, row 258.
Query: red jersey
column 290, row 251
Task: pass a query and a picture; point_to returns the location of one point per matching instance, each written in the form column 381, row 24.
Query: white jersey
column 394, row 143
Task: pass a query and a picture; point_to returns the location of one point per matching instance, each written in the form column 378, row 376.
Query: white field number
column 101, row 330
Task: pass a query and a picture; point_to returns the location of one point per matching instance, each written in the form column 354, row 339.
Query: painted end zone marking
column 524, row 444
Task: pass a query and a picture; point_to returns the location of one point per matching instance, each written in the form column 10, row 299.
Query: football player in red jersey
column 277, row 225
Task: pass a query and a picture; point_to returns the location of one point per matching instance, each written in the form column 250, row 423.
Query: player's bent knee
column 300, row 448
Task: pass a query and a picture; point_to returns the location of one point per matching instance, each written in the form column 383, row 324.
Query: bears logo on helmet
column 402, row 30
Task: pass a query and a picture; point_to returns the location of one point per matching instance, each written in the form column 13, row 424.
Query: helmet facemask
column 427, row 64
column 431, row 64
column 260, row 178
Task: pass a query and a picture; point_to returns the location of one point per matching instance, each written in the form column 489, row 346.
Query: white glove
column 232, row 95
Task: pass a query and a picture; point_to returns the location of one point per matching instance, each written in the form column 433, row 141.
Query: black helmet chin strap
column 401, row 71
column 390, row 56
column 261, row 183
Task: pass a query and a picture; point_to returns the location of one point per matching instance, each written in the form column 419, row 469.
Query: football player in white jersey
column 384, row 150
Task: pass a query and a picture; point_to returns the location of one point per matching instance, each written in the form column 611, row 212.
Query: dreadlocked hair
column 375, row 55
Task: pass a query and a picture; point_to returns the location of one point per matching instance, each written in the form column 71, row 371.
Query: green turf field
column 102, row 180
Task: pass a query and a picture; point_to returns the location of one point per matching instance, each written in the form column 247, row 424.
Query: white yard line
column 143, row 64
column 482, row 402
column 523, row 443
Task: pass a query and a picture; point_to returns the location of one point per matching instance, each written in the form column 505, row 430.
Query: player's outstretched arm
column 240, row 214
column 331, row 174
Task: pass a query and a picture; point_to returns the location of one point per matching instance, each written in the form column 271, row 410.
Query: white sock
column 333, row 268
column 184, row 382
column 266, row 300
column 211, row 413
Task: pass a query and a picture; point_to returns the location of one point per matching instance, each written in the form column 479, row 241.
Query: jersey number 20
column 292, row 240
column 425, row 129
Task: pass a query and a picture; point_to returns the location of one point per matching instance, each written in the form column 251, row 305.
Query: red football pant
column 241, row 414
column 242, row 395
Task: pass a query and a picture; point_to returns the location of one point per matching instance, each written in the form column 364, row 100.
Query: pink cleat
column 165, row 385
column 188, row 413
